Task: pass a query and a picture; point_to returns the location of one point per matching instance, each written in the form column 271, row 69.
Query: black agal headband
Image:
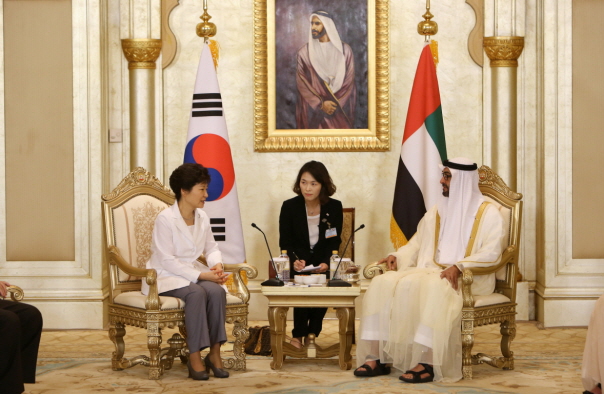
column 462, row 167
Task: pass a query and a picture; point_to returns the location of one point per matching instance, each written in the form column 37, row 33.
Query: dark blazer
column 293, row 231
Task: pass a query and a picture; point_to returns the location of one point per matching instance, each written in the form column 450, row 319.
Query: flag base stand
column 272, row 282
column 338, row 283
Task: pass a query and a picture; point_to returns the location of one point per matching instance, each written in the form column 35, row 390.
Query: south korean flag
column 208, row 145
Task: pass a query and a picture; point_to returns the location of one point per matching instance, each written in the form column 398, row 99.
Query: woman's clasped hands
column 216, row 275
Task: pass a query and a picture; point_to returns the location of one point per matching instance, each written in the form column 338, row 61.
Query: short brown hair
column 319, row 172
column 186, row 176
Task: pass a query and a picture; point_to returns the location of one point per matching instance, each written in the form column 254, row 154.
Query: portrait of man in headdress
column 321, row 78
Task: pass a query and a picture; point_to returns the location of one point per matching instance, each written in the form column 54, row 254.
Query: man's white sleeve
column 490, row 237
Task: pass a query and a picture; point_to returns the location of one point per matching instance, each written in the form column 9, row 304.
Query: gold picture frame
column 375, row 136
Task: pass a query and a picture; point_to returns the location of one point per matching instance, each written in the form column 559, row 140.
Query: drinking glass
column 343, row 268
column 280, row 265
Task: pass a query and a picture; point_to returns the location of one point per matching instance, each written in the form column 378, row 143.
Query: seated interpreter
column 310, row 226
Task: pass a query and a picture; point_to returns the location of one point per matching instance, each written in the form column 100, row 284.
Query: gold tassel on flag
column 397, row 237
column 215, row 49
column 434, row 50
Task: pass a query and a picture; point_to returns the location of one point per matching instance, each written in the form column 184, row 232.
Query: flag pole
column 423, row 147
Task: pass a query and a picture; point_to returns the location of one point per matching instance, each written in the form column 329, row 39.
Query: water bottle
column 285, row 258
column 333, row 264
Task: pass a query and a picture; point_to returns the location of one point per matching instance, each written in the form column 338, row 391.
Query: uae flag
column 424, row 148
column 208, row 145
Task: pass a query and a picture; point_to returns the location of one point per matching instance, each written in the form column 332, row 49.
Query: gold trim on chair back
column 134, row 245
column 495, row 189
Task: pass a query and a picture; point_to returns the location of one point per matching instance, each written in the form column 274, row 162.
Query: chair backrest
column 129, row 214
column 510, row 205
column 347, row 232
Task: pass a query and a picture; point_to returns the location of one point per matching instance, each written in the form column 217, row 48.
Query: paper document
column 309, row 268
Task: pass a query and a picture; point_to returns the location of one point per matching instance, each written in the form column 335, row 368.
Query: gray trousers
column 205, row 313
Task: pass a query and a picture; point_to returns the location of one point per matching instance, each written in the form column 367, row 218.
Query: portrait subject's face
column 317, row 29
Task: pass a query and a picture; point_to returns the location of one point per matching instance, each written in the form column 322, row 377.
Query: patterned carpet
column 547, row 360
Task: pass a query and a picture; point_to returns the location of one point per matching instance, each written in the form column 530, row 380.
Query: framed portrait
column 321, row 75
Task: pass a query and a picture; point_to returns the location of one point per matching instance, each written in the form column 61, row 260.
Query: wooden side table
column 280, row 299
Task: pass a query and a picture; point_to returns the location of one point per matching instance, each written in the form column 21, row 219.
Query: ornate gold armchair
column 129, row 213
column 499, row 307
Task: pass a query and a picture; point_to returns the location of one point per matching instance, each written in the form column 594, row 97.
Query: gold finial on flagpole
column 427, row 27
column 206, row 29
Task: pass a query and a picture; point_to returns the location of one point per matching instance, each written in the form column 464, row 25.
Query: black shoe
column 380, row 369
column 417, row 375
column 218, row 372
column 197, row 375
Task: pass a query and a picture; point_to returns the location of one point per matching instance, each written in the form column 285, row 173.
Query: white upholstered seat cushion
column 136, row 299
column 490, row 299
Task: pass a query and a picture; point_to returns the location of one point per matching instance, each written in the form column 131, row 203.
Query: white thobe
column 413, row 314
column 592, row 372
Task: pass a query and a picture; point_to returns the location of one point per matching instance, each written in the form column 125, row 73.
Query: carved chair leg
column 116, row 334
column 508, row 333
column 184, row 352
column 154, row 346
column 241, row 333
column 176, row 343
column 467, row 343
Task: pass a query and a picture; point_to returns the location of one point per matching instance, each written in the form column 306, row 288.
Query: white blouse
column 313, row 229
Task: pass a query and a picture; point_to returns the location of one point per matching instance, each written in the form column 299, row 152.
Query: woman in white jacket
column 181, row 234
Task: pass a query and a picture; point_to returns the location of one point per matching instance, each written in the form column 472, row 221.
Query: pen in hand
column 297, row 258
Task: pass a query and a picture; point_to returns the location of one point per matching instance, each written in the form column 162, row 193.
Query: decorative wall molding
column 168, row 39
column 69, row 293
column 477, row 33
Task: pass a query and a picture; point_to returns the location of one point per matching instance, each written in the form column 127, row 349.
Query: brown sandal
column 295, row 342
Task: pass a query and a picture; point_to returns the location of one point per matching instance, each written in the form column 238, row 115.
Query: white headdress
column 457, row 212
column 327, row 58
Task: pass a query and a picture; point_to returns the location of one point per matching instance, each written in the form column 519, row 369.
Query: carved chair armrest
column 373, row 269
column 468, row 275
column 236, row 269
column 150, row 275
column 506, row 257
column 15, row 292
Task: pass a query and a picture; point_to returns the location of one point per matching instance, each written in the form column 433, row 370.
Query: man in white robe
column 592, row 372
column 412, row 313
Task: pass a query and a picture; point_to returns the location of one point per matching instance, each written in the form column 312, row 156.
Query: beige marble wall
column 566, row 286
column 70, row 293
column 365, row 180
